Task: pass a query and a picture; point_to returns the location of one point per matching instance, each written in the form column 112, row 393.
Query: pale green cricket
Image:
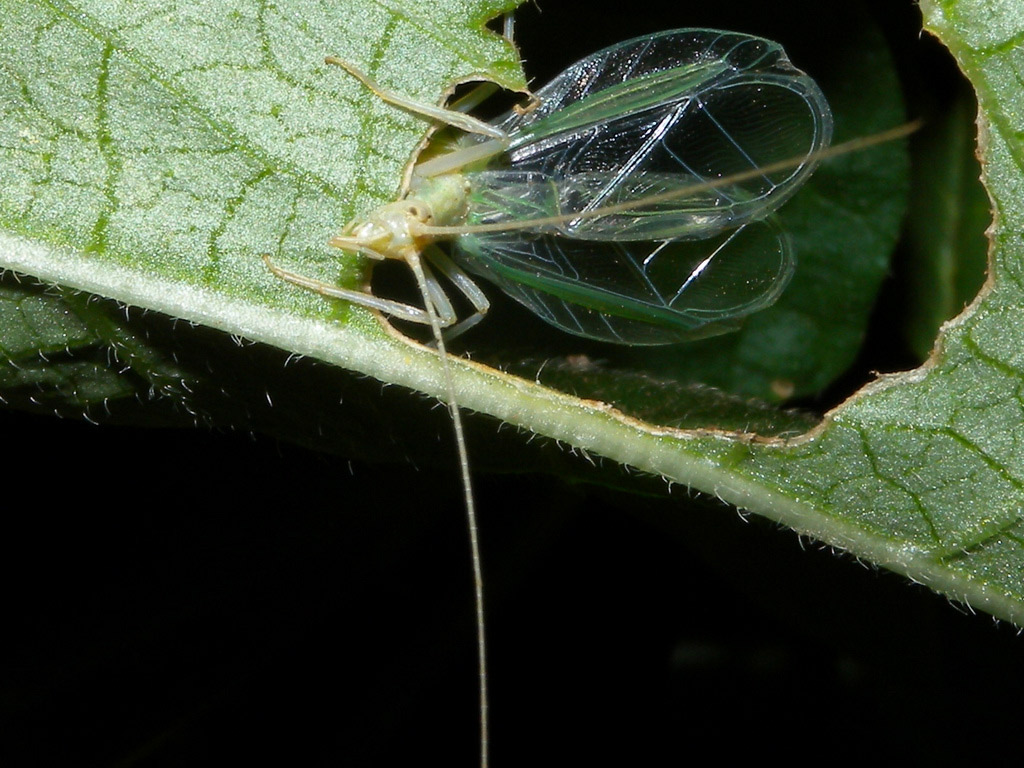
column 631, row 203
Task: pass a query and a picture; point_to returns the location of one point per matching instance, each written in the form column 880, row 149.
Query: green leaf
column 948, row 217
column 175, row 147
column 151, row 159
column 54, row 360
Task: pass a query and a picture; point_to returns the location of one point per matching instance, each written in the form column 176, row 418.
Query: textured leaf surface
column 948, row 217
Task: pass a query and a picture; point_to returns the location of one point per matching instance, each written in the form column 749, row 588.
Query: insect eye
column 420, row 212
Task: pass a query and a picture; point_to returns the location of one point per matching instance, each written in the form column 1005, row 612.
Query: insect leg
column 466, row 285
column 442, row 305
column 508, row 31
column 508, row 27
column 476, row 96
column 388, row 307
column 447, row 116
column 532, row 103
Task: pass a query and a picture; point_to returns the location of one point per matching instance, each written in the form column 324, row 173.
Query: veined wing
column 686, row 107
column 637, row 292
column 656, row 206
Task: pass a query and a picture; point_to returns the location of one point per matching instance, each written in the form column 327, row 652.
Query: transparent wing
column 637, row 292
column 664, row 113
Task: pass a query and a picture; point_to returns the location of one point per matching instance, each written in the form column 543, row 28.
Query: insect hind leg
column 451, row 117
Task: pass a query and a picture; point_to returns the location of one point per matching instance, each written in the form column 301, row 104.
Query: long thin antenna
column 845, row 148
column 467, row 489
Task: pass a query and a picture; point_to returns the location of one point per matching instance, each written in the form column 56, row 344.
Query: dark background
column 210, row 597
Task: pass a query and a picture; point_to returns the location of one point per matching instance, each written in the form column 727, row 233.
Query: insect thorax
column 445, row 196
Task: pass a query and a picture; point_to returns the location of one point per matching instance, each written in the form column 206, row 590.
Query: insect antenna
column 845, row 148
column 416, row 265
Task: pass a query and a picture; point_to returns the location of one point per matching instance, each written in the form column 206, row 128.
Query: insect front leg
column 387, row 306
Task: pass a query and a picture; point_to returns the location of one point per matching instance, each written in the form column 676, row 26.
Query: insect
column 630, row 203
